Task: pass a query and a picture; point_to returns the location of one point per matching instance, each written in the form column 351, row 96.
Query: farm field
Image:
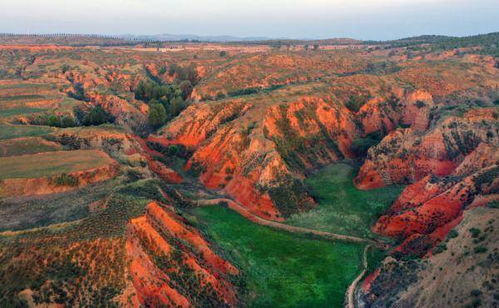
column 8, row 131
column 50, row 163
column 282, row 269
column 27, row 145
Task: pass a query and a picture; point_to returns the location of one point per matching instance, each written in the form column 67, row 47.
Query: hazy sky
column 362, row 19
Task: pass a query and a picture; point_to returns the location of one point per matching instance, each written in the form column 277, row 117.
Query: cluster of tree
column 78, row 92
column 360, row 146
column 166, row 101
column 355, row 102
column 487, row 42
column 93, row 116
column 82, row 117
column 184, row 73
column 54, row 120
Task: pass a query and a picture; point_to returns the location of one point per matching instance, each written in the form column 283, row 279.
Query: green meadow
column 342, row 208
column 281, row 269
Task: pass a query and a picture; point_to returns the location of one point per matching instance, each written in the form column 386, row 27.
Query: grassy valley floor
column 282, row 269
column 342, row 208
column 290, row 270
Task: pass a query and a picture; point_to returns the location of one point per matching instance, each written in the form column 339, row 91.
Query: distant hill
column 63, row 39
column 480, row 39
column 190, row 37
column 488, row 43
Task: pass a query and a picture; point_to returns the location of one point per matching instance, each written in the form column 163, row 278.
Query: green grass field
column 282, row 269
column 342, row 208
column 50, row 163
column 16, row 131
column 27, row 145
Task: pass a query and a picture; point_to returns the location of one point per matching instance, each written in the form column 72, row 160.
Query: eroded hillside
column 108, row 154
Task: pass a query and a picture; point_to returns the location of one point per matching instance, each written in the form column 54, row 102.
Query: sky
column 360, row 19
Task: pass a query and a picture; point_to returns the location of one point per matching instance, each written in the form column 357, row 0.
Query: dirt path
column 277, row 225
column 350, row 301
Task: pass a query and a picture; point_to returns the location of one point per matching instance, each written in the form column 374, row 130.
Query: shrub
column 453, row 233
column 186, row 88
column 420, row 104
column 474, row 232
column 78, row 92
column 360, row 146
column 67, row 121
column 65, row 180
column 97, row 116
column 440, row 248
column 355, row 102
column 196, row 169
column 476, row 292
column 480, row 249
column 220, row 95
column 247, row 91
column 493, row 205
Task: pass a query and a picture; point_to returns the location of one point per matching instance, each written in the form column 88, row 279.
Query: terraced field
column 27, row 145
column 50, row 163
column 15, row 131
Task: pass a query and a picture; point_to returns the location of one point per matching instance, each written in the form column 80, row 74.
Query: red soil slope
column 165, row 254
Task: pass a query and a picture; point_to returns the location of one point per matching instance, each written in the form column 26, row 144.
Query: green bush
column 474, row 232
column 440, row 248
column 476, row 292
column 355, row 102
column 453, row 233
column 360, row 146
column 65, row 180
column 480, row 249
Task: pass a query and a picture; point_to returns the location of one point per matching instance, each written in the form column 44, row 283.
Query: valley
column 148, row 174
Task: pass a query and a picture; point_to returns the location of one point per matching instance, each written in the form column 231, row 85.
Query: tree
column 53, row 120
column 186, row 88
column 67, row 121
column 177, row 105
column 223, row 53
column 157, row 115
column 354, row 103
column 79, row 92
column 172, row 69
column 97, row 116
column 316, row 46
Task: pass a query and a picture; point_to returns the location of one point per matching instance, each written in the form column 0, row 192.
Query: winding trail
column 277, row 225
column 350, row 300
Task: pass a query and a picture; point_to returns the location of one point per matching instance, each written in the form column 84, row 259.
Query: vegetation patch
column 15, row 131
column 28, row 145
column 51, row 163
column 282, row 269
column 342, row 207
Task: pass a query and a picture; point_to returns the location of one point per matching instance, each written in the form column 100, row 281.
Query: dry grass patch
column 50, row 163
column 27, row 145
